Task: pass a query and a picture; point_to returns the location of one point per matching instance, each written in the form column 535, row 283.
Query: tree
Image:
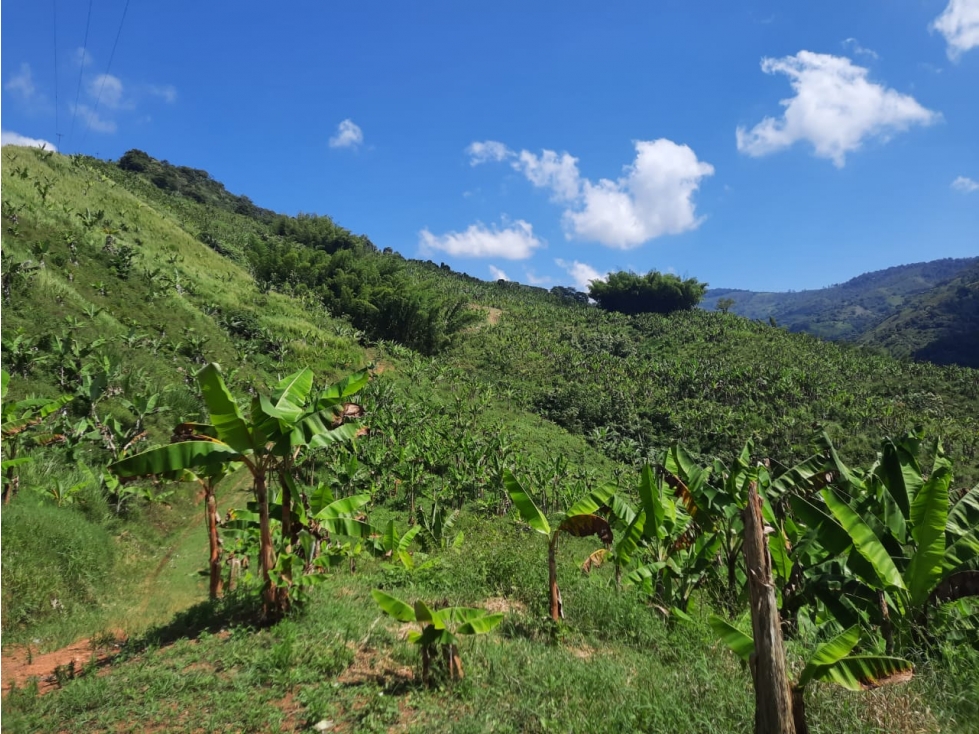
column 725, row 304
column 654, row 292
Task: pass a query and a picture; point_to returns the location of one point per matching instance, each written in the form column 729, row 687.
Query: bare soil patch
column 21, row 664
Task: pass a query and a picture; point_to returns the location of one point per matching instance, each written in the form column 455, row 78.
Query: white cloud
column 559, row 173
column 653, row 197
column 854, row 45
column 11, row 138
column 22, row 82
column 349, row 135
column 835, row 108
column 107, row 89
column 487, row 150
column 93, row 121
column 965, row 184
column 515, row 242
column 497, row 273
column 959, row 23
column 582, row 274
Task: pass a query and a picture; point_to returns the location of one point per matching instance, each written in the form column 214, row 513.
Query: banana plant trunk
column 773, row 703
column 211, row 510
column 557, row 607
column 271, row 599
column 799, row 711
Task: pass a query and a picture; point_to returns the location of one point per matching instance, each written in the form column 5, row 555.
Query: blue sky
column 763, row 145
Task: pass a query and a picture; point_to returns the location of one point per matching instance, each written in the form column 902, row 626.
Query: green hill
column 852, row 310
column 940, row 325
column 121, row 280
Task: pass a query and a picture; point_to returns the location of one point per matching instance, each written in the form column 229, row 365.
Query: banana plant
column 208, row 476
column 905, row 542
column 280, row 427
column 678, row 559
column 830, row 662
column 580, row 521
column 440, row 630
column 17, row 418
column 390, row 544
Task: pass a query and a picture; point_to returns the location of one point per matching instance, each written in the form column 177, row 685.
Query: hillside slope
column 940, row 325
column 118, row 284
column 849, row 310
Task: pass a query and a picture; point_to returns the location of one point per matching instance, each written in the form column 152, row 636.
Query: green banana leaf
column 629, row 541
column 929, row 514
column 480, row 625
column 393, row 607
column 293, row 389
column 864, row 540
column 593, row 501
column 525, row 506
column 740, row 644
column 224, row 412
column 863, row 672
column 344, row 506
column 829, row 653
column 964, row 515
column 174, row 457
column 900, row 472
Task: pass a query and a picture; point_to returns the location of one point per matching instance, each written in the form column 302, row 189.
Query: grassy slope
column 619, row 664
column 848, row 310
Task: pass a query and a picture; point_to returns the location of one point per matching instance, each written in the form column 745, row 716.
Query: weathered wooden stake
column 773, row 702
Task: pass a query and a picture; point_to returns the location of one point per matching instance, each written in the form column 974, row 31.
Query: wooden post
column 773, row 702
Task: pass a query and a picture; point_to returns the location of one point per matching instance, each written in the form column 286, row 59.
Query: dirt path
column 162, row 593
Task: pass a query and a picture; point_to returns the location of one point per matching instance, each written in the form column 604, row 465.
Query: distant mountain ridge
column 927, row 310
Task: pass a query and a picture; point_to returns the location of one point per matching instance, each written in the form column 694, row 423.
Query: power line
column 108, row 66
column 81, row 70
column 57, row 120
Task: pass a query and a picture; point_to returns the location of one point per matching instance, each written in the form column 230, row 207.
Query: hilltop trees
column 654, row 292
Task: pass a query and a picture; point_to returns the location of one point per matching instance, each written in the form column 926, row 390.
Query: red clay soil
column 19, row 666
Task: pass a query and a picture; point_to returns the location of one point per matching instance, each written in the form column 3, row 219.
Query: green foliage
column 654, row 292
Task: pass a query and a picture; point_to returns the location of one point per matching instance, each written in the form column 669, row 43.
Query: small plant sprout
column 438, row 637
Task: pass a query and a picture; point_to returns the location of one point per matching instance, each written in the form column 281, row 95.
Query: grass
column 617, row 665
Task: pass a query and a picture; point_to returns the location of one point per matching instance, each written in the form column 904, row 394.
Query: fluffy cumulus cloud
column 498, row 274
column 11, row 138
column 836, row 108
column 514, row 242
column 959, row 23
column 653, row 197
column 965, row 184
column 582, row 274
column 349, row 135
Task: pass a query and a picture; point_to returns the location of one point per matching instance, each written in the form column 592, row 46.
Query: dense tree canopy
column 654, row 292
